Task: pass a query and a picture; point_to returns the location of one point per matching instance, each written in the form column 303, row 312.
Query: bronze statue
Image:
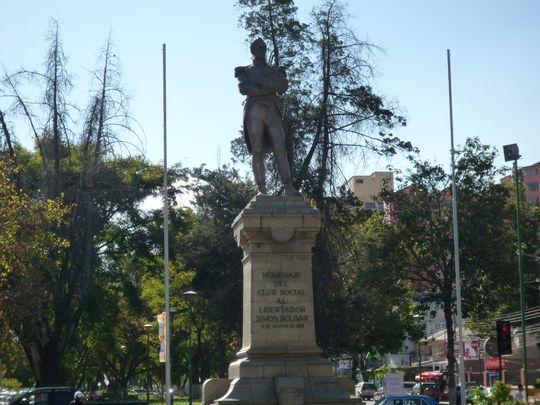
column 263, row 129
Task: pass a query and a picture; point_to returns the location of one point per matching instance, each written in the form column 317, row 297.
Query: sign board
column 492, row 363
column 345, row 364
column 471, row 349
column 393, row 384
column 374, row 363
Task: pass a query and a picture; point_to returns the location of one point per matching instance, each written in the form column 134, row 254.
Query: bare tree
column 86, row 171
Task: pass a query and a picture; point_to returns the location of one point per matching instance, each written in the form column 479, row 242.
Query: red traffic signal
column 504, row 337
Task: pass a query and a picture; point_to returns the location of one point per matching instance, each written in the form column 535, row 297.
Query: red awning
column 428, row 376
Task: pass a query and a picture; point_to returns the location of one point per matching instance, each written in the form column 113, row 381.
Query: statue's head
column 258, row 48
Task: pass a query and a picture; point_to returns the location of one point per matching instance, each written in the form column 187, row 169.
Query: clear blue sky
column 495, row 67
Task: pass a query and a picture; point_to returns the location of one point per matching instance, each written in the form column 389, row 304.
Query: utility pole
column 511, row 153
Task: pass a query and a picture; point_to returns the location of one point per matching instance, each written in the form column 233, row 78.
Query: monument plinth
column 279, row 362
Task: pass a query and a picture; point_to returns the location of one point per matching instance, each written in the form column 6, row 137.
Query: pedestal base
column 292, row 390
column 279, row 362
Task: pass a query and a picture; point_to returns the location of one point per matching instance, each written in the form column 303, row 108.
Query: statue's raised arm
column 263, row 129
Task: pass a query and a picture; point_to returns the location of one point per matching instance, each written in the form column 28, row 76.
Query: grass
column 177, row 401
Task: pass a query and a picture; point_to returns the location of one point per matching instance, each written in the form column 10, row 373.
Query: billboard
column 492, row 363
column 471, row 349
column 393, row 384
column 161, row 318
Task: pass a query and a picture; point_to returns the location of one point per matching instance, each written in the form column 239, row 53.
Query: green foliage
column 381, row 371
column 360, row 306
column 29, row 239
column 81, row 191
column 215, row 258
column 421, row 218
column 27, row 225
column 11, row 383
column 500, row 394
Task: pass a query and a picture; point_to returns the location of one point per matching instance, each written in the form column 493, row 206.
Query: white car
column 365, row 390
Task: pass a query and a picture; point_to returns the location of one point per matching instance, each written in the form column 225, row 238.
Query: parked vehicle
column 379, row 394
column 365, row 390
column 45, row 396
column 430, row 389
column 407, row 400
column 6, row 395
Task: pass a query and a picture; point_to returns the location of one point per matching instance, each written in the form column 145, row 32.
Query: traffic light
column 504, row 337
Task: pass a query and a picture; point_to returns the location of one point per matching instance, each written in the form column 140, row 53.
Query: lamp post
column 147, row 327
column 511, row 153
column 172, row 313
column 190, row 297
column 419, row 322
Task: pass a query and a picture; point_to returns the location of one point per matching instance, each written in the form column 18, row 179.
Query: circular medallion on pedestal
column 282, row 234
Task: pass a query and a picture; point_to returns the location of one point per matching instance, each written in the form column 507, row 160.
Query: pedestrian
column 518, row 396
column 77, row 398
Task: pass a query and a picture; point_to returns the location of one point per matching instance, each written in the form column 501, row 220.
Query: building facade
column 366, row 188
column 531, row 182
column 530, row 176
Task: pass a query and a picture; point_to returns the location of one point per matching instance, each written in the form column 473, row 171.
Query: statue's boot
column 258, row 172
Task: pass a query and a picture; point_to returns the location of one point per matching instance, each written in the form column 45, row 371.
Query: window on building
column 532, row 201
column 370, row 205
column 532, row 186
column 530, row 171
column 359, row 181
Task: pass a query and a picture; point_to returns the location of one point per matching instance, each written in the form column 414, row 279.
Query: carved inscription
column 281, row 292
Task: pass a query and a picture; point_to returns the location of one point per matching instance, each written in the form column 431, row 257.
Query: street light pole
column 419, row 358
column 511, row 152
column 172, row 313
column 147, row 327
column 190, row 297
column 521, row 282
column 420, row 321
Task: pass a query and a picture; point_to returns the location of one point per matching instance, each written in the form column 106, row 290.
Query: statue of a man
column 263, row 130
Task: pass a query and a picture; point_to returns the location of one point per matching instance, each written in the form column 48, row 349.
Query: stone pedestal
column 279, row 362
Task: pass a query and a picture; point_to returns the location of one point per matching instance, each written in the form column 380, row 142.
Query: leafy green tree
column 28, row 240
column 89, row 170
column 203, row 256
column 110, row 343
column 421, row 218
column 216, row 259
column 366, row 310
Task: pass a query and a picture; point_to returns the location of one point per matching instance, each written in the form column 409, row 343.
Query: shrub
column 499, row 395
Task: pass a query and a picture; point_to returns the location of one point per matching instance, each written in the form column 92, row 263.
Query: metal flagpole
column 459, row 319
column 166, row 237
